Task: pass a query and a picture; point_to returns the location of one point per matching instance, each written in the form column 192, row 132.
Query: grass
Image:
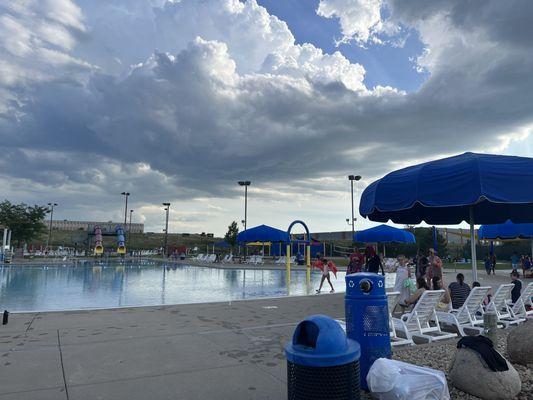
column 480, row 266
column 137, row 241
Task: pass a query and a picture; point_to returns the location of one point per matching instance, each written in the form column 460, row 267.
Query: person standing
column 373, row 261
column 357, row 261
column 515, row 259
column 422, row 266
column 517, row 289
column 403, row 273
column 527, row 265
column 325, row 275
column 435, row 266
column 493, row 263
column 488, row 264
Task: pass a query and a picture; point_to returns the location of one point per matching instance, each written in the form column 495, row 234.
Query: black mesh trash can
column 322, row 363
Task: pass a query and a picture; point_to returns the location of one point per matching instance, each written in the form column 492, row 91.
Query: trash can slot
column 307, row 334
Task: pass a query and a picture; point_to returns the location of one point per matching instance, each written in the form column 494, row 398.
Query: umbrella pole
column 473, row 246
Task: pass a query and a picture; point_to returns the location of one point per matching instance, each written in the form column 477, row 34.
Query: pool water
column 51, row 288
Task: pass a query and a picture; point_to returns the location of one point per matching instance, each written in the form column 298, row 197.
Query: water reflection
column 40, row 288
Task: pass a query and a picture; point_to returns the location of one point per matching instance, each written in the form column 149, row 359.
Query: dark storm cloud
column 190, row 123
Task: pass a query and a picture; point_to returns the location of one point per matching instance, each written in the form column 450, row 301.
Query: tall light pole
column 125, row 194
column 51, row 205
column 129, row 229
column 245, row 184
column 167, row 209
column 352, row 178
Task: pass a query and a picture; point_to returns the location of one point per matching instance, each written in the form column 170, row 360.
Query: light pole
column 167, row 209
column 352, row 178
column 245, row 184
column 129, row 229
column 51, row 205
column 125, row 194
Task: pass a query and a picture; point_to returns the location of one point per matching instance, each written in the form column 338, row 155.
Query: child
column 326, row 266
column 486, row 300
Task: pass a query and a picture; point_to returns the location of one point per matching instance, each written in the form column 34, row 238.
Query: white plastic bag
column 396, row 380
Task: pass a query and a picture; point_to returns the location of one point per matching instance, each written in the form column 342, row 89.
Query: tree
column 424, row 241
column 231, row 235
column 25, row 222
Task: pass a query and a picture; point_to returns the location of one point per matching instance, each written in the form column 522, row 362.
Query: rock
column 519, row 344
column 470, row 374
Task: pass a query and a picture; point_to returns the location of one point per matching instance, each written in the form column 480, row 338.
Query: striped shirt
column 458, row 293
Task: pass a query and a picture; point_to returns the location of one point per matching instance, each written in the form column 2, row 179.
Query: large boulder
column 470, row 373
column 519, row 344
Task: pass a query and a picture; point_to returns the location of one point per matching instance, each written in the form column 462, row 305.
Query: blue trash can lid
column 320, row 341
column 363, row 284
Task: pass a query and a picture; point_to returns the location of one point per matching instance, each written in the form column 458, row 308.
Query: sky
column 176, row 101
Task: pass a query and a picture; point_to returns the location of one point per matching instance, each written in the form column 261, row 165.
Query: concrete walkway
column 201, row 351
column 198, row 351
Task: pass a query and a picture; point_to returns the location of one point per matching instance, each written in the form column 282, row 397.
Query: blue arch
column 305, row 227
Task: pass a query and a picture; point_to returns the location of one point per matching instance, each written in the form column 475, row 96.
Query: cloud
column 217, row 91
column 360, row 20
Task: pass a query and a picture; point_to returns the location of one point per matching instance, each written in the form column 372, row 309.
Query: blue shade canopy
column 384, row 234
column 262, row 233
column 495, row 188
column 508, row 230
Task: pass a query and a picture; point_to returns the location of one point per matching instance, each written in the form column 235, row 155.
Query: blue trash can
column 367, row 318
column 322, row 363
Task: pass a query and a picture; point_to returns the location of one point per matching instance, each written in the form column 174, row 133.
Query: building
column 109, row 226
column 454, row 236
column 330, row 236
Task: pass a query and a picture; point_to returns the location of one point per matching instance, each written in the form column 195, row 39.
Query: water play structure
column 307, row 241
column 98, row 234
column 121, row 247
column 98, row 246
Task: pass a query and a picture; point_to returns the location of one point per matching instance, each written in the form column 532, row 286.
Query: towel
column 483, row 345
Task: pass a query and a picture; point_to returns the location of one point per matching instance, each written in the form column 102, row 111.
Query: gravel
column 440, row 355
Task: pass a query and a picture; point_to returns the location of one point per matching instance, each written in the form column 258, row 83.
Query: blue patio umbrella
column 507, row 230
column 384, row 234
column 476, row 188
column 262, row 233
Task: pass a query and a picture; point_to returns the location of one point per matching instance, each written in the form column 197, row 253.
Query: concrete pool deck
column 198, row 351
column 230, row 350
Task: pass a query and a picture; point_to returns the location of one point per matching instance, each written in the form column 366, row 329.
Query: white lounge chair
column 467, row 316
column 417, row 323
column 226, row 258
column 519, row 308
column 199, row 257
column 258, row 260
column 250, row 259
column 499, row 305
column 395, row 340
column 211, row 258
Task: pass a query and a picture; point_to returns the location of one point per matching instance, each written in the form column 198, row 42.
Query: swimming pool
column 51, row 288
